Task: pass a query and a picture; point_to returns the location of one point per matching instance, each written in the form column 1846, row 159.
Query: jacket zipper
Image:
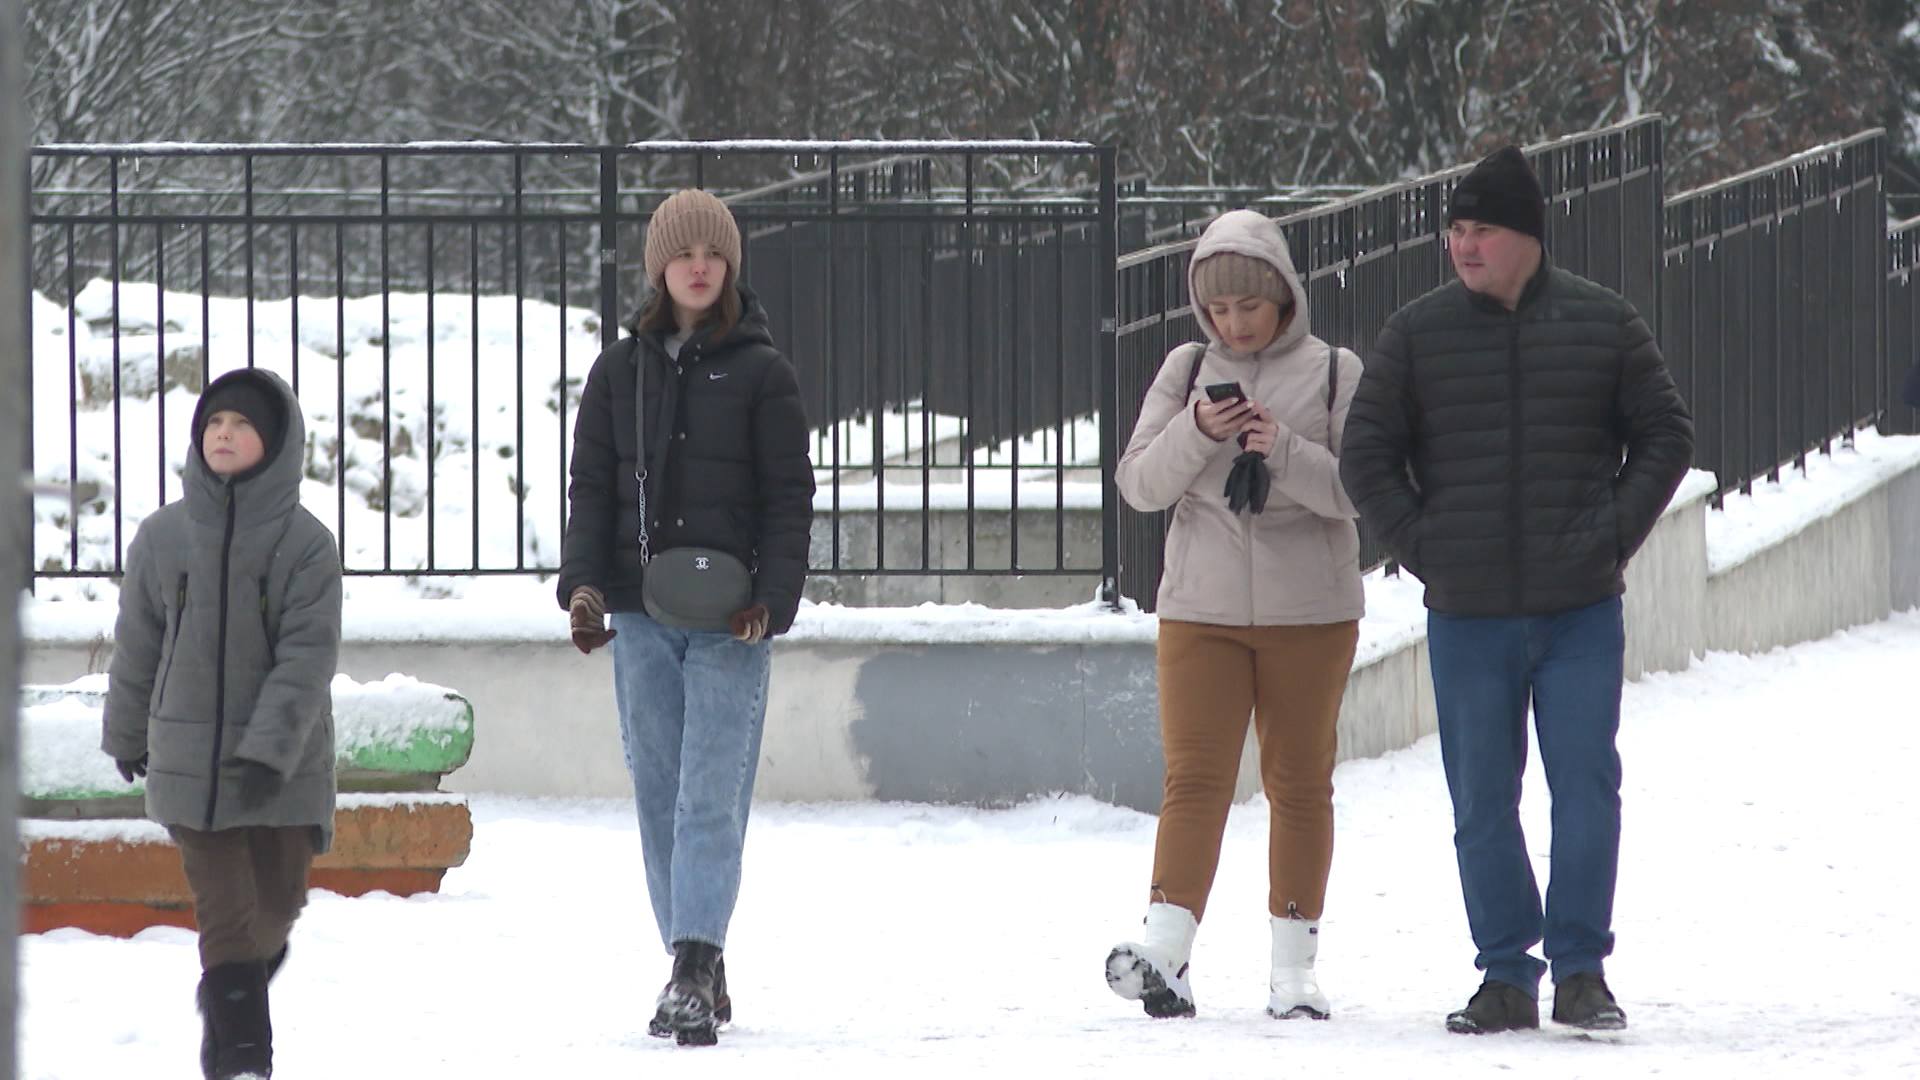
column 220, row 668
column 1515, row 534
column 173, row 643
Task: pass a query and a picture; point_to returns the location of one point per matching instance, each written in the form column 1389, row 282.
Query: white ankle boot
column 1294, row 990
column 1154, row 971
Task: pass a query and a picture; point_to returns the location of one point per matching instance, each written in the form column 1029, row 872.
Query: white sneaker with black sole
column 1153, row 971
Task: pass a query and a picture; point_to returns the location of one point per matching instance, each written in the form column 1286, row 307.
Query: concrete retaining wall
column 865, row 715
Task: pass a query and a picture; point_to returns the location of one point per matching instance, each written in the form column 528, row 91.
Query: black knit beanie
column 1501, row 190
column 250, row 397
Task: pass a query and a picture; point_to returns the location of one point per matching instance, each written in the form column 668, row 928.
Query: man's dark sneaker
column 1496, row 1006
column 1584, row 1001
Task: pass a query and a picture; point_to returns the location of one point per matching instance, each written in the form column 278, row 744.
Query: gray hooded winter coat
column 227, row 639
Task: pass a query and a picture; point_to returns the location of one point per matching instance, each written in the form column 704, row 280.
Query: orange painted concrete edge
column 426, row 837
column 116, row 918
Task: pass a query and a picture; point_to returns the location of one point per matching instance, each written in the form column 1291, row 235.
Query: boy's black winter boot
column 1584, row 1001
column 202, row 1004
column 687, row 1005
column 234, row 997
column 1496, row 1006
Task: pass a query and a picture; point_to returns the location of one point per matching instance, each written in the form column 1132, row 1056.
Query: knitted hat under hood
column 1241, row 249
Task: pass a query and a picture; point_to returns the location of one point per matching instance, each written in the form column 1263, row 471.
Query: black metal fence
column 970, row 352
column 1903, row 325
column 1364, row 257
column 1774, row 312
column 437, row 307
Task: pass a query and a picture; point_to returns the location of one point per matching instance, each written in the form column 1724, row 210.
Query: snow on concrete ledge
column 1746, row 525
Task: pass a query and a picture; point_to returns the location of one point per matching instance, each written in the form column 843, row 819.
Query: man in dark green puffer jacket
column 1514, row 440
column 220, row 694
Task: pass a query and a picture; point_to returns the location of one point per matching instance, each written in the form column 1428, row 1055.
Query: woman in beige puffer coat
column 1259, row 604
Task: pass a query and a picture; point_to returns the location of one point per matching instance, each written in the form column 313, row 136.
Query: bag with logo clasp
column 688, row 588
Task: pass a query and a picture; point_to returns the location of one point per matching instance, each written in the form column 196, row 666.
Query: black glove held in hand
column 1248, row 483
column 258, row 783
column 132, row 769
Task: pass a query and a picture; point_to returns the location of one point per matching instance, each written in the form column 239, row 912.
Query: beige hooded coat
column 1296, row 563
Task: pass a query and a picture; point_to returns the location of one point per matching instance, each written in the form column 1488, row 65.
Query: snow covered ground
column 1766, row 921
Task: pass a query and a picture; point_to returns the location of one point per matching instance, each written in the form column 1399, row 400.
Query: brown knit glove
column 588, row 611
column 749, row 625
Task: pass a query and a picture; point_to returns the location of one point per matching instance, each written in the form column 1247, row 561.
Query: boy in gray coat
column 219, row 694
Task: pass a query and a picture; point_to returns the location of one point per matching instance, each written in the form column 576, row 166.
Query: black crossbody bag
column 688, row 588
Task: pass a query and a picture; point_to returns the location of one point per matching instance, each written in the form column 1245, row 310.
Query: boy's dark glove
column 258, row 782
column 749, row 625
column 129, row 770
column 587, row 611
column 1248, row 483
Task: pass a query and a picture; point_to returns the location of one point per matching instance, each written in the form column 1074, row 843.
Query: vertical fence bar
column 113, row 273
column 560, row 381
column 73, row 419
column 519, row 362
column 1106, row 359
column 433, row 457
column 386, row 363
column 830, row 335
column 608, row 213
column 293, row 306
column 340, row 426
column 246, row 249
column 1060, row 389
column 969, row 244
column 473, row 386
column 160, row 358
column 1014, row 426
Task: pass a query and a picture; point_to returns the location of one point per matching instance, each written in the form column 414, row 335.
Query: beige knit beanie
column 1229, row 273
column 686, row 218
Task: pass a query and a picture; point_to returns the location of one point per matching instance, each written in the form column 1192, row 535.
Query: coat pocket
column 180, row 747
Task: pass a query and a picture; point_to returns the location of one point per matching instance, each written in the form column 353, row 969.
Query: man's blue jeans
column 1485, row 671
column 692, row 707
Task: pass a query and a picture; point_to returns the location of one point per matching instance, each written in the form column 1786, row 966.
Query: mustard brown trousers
column 1290, row 680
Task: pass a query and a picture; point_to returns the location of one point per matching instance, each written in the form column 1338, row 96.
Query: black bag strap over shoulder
column 640, row 448
column 1193, row 373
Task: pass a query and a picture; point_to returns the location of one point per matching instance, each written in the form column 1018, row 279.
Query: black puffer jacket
column 734, row 474
column 1515, row 460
